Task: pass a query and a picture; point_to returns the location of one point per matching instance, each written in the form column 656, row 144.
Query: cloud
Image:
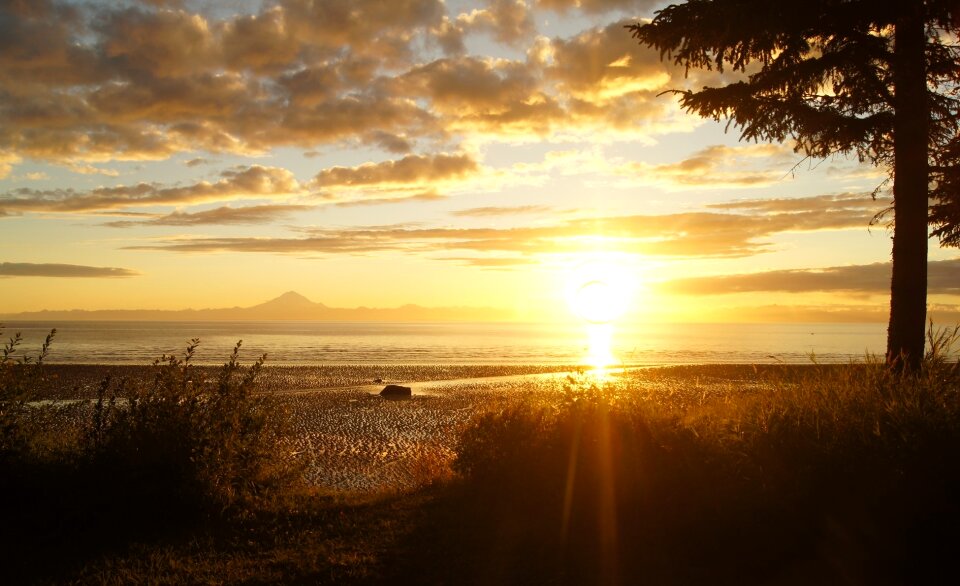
column 412, row 178
column 162, row 43
column 368, row 27
column 100, row 82
column 144, row 83
column 496, row 263
column 718, row 166
column 470, row 85
column 25, row 269
column 943, row 278
column 225, row 215
column 425, row 196
column 449, row 36
column 409, row 169
column 603, row 63
column 499, row 211
column 91, row 170
column 244, row 182
column 259, row 42
column 595, row 6
column 817, row 203
column 509, row 21
column 389, row 142
column 38, row 47
column 7, row 161
column 689, row 235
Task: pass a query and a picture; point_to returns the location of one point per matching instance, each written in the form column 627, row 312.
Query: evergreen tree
column 874, row 78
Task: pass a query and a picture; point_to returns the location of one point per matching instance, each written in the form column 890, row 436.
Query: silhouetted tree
column 877, row 78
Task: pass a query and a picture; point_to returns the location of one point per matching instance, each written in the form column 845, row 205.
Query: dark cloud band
column 24, row 269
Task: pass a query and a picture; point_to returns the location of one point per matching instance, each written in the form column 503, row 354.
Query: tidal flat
column 353, row 441
column 720, row 474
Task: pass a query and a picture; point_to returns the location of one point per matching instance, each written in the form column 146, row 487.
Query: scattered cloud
column 716, row 166
column 689, row 235
column 496, row 263
column 92, row 170
column 500, row 211
column 254, row 181
column 817, row 203
column 508, row 21
column 425, row 196
column 26, row 269
column 225, row 215
column 87, row 83
column 871, row 279
column 7, row 161
column 595, row 6
column 414, row 177
column 410, row 169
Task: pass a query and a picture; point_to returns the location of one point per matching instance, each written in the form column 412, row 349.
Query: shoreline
column 352, row 441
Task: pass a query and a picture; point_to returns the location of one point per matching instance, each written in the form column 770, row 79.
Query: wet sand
column 353, row 440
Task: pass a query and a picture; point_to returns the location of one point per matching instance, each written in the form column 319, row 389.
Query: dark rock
column 396, row 391
column 378, row 380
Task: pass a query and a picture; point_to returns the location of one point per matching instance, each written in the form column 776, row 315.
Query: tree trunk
column 908, row 287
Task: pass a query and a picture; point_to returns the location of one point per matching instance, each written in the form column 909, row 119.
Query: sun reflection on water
column 599, row 356
column 599, row 291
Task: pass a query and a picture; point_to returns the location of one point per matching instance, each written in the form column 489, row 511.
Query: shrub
column 19, row 379
column 610, row 480
column 213, row 444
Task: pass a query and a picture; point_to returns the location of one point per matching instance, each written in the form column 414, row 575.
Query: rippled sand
column 349, row 437
column 353, row 440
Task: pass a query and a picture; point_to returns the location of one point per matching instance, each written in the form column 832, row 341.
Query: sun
column 599, row 291
column 597, row 302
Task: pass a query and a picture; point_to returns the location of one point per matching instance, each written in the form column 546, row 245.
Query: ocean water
column 307, row 343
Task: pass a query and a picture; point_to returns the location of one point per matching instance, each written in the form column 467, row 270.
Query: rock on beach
column 396, row 391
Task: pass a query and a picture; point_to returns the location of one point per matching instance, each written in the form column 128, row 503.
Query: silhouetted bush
column 849, row 469
column 22, row 430
column 188, row 440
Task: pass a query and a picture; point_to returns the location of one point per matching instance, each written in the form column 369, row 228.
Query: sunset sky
column 166, row 154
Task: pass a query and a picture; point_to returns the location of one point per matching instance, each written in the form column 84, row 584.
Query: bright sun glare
column 596, row 302
column 599, row 292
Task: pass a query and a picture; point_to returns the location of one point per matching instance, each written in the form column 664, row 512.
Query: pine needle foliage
column 875, row 79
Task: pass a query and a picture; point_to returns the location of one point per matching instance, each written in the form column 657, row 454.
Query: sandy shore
column 353, row 440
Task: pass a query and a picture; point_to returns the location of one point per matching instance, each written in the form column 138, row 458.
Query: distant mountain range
column 289, row 306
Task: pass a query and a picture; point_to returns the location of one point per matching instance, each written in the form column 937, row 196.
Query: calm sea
column 287, row 342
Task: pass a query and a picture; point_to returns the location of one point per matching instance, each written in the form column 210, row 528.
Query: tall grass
column 143, row 459
column 186, row 439
column 836, row 473
column 25, row 427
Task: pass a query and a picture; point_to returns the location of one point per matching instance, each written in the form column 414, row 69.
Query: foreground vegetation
column 142, row 459
column 683, row 475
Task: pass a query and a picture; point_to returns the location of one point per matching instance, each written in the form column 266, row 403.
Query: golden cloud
column 409, row 169
column 147, row 82
column 488, row 211
column 26, row 269
column 224, row 215
column 871, row 279
column 691, row 235
column 716, row 166
column 595, row 6
column 509, row 21
column 248, row 182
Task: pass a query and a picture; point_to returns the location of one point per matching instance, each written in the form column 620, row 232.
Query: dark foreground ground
column 682, row 475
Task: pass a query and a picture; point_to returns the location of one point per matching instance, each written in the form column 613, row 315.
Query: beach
column 353, row 441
